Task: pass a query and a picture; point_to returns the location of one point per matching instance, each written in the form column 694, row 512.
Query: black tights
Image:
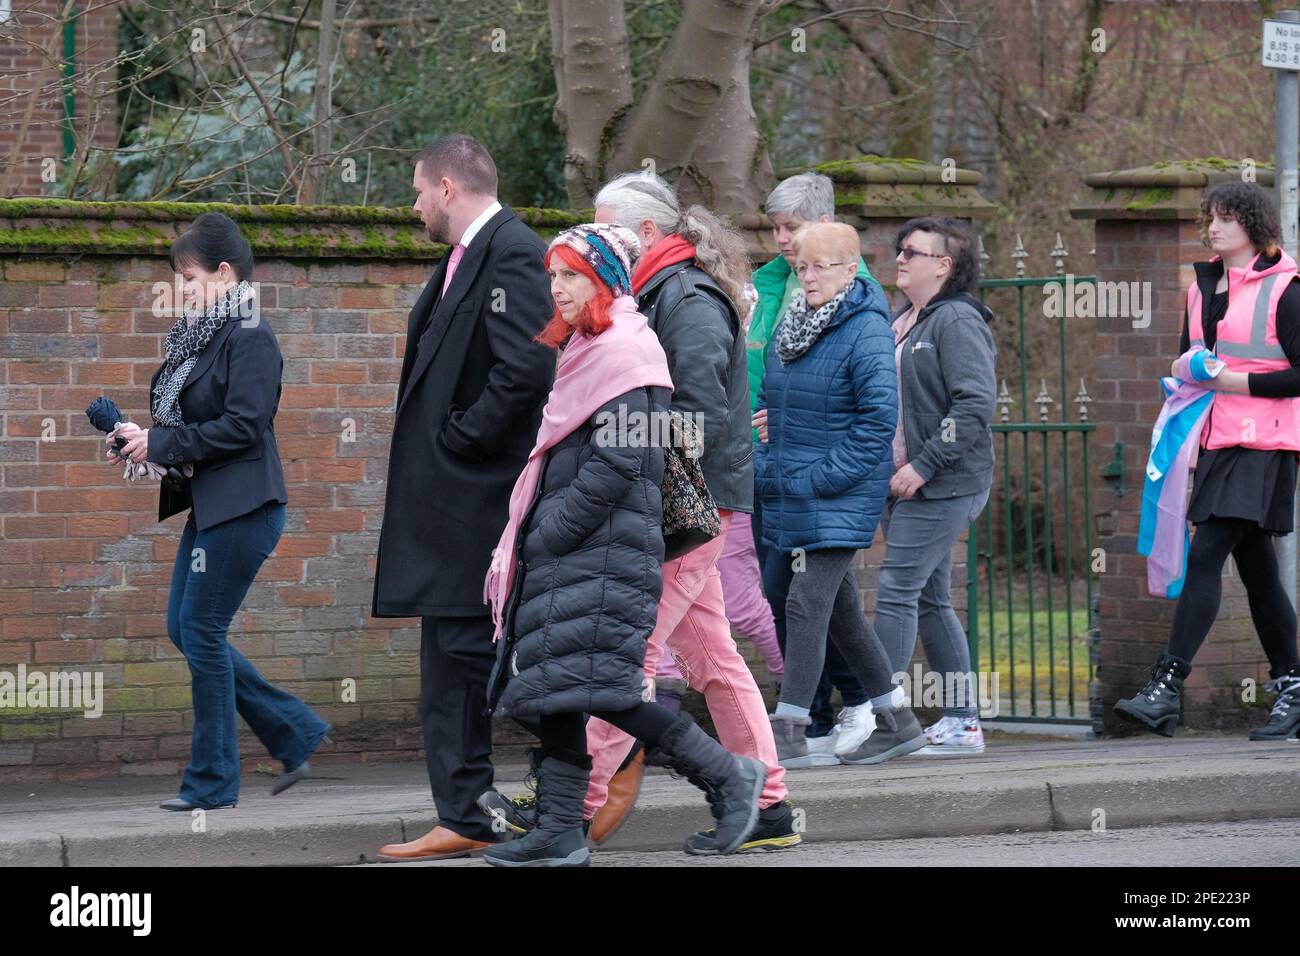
column 1198, row 605
column 647, row 721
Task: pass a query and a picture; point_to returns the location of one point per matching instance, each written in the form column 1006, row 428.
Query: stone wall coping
column 1167, row 190
column 891, row 187
column 54, row 226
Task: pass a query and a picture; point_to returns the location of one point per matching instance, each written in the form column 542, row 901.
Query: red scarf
column 668, row 252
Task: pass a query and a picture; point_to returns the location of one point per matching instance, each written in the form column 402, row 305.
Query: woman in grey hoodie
column 943, row 471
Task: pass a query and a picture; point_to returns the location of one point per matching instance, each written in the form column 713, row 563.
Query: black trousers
column 456, row 656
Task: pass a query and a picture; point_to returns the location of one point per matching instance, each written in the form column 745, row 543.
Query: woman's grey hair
column 719, row 248
column 808, row 196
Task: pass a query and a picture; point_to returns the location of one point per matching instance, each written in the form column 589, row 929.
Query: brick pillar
column 1146, row 232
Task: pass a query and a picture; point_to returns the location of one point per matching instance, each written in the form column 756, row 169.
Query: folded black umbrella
column 104, row 415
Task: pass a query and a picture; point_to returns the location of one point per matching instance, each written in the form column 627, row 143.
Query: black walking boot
column 1157, row 704
column 558, row 838
column 732, row 784
column 1284, row 719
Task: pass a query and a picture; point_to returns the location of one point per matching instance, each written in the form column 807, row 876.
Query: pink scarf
column 593, row 370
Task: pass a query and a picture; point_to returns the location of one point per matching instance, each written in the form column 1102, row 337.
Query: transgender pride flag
column 1175, row 444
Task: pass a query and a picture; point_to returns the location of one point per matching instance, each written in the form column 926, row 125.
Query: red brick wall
column 85, row 564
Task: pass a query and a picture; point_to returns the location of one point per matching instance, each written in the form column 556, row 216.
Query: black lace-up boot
column 1157, row 704
column 1284, row 719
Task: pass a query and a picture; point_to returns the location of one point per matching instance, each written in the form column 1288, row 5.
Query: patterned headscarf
column 610, row 250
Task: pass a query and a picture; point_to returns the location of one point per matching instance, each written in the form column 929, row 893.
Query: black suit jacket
column 468, row 408
column 228, row 402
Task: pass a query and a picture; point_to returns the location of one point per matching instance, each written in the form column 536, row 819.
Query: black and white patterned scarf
column 183, row 345
column 801, row 325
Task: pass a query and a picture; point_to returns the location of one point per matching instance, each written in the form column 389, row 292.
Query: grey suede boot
column 791, row 741
column 732, row 784
column 558, row 838
column 897, row 733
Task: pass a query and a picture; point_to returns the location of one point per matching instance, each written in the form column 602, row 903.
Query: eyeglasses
column 908, row 253
column 818, row 267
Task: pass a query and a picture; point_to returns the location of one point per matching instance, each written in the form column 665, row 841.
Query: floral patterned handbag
column 690, row 515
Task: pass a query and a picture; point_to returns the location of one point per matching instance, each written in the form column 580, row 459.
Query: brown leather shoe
column 438, row 844
column 623, row 788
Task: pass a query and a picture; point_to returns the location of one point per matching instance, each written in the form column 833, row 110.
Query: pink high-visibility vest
column 1247, row 342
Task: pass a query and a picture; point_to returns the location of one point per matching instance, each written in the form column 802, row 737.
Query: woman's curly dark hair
column 958, row 242
column 1248, row 203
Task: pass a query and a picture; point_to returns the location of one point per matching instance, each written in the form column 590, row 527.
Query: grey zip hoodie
column 949, row 389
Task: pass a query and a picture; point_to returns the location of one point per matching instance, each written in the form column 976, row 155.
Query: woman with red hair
column 576, row 578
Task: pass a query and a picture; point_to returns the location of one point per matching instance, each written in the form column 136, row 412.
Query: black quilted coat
column 585, row 601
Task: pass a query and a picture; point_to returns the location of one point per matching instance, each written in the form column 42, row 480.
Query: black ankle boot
column 732, row 784
column 1284, row 719
column 558, row 839
column 1157, row 704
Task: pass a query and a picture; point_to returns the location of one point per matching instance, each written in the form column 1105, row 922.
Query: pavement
column 348, row 810
column 1254, row 843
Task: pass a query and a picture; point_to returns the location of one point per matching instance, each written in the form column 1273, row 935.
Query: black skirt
column 1247, row 483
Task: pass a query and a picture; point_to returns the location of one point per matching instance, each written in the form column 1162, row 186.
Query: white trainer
column 822, row 750
column 954, row 737
column 856, row 724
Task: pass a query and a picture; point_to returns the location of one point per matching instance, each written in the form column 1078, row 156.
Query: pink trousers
column 693, row 624
column 742, row 590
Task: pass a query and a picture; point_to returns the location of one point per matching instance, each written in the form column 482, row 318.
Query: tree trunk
column 688, row 88
column 314, row 169
column 730, row 169
column 593, row 87
column 701, row 86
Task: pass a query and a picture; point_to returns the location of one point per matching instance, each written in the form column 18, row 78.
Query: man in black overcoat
column 468, row 409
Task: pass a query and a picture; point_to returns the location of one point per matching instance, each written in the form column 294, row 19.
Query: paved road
column 1260, row 843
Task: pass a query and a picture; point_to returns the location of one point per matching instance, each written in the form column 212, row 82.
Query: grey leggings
column 823, row 597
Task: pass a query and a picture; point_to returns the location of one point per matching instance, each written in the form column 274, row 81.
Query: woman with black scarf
column 213, row 402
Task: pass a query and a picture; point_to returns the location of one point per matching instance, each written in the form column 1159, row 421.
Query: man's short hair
column 463, row 160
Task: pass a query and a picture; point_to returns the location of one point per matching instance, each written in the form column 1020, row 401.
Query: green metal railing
column 1040, row 659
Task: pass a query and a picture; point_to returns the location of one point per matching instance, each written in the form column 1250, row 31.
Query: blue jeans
column 836, row 673
column 212, row 573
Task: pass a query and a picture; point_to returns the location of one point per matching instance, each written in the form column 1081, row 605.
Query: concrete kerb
column 346, row 815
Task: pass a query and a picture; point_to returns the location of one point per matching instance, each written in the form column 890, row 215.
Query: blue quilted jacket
column 824, row 472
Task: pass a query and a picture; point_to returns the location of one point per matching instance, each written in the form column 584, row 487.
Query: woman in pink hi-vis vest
column 1245, row 307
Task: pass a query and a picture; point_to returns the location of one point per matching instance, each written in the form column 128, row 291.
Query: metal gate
column 1030, row 559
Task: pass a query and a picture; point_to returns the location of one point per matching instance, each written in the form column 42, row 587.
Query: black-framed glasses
column 908, row 253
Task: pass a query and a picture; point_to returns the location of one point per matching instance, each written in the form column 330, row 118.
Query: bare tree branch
column 257, row 91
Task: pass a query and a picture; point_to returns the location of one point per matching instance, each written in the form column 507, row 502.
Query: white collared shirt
column 473, row 228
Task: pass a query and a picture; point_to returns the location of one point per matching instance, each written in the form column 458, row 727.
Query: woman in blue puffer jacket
column 827, row 413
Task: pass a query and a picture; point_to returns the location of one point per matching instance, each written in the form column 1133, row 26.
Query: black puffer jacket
column 699, row 329
column 582, row 608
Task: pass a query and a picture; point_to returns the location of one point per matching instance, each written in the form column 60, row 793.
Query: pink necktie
column 456, row 252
